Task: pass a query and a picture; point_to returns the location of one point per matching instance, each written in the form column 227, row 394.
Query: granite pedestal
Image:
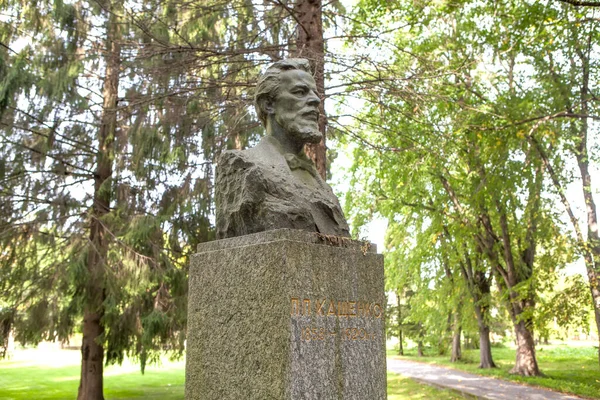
column 286, row 315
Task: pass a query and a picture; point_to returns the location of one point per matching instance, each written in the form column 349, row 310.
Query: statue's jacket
column 263, row 188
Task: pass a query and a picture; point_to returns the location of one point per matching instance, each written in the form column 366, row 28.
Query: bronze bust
column 275, row 185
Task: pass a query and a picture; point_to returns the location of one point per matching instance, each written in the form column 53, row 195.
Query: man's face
column 296, row 106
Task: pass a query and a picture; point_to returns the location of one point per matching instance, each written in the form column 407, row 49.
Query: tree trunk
column 400, row 338
column 456, row 352
column 485, row 346
column 592, row 247
column 594, row 278
column 400, row 347
column 526, row 363
column 92, row 351
column 92, row 359
column 479, row 287
column 5, row 329
column 420, row 348
column 592, row 251
column 310, row 45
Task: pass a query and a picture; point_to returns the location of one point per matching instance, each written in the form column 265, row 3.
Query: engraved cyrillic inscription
column 311, row 334
column 332, row 308
column 322, row 310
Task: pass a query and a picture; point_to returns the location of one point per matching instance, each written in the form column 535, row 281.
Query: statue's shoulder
column 265, row 154
column 236, row 166
column 235, row 159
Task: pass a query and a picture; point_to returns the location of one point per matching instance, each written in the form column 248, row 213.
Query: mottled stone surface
column 287, row 234
column 284, row 315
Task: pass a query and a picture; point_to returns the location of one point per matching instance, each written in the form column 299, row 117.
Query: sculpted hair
column 268, row 84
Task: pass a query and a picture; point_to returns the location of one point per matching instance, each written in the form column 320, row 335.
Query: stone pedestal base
column 288, row 315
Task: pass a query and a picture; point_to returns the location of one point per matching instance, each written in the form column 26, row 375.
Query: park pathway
column 475, row 385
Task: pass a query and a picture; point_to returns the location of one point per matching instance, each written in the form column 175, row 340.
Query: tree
column 95, row 255
column 310, row 45
column 129, row 104
column 561, row 133
column 564, row 306
column 105, row 113
column 478, row 280
column 450, row 143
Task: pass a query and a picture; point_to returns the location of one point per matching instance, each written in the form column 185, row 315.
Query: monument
column 285, row 306
column 275, row 185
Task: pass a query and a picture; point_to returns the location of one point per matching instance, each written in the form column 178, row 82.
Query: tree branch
column 578, row 3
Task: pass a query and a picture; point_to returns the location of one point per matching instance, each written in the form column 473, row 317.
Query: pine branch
column 51, row 128
column 291, row 13
column 578, row 3
column 52, row 156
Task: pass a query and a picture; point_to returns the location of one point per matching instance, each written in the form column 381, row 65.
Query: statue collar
column 294, row 161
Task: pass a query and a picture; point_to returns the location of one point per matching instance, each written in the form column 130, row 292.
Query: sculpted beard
column 302, row 128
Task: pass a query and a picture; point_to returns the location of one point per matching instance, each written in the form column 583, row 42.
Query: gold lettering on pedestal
column 367, row 310
column 323, row 309
column 352, row 309
column 319, row 306
column 335, row 308
column 306, row 308
column 295, row 306
column 331, row 309
column 309, row 334
column 377, row 311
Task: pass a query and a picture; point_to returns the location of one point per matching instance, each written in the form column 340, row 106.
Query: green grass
column 568, row 369
column 401, row 387
column 54, row 375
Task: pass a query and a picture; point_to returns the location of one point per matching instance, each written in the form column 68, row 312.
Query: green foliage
column 182, row 97
column 446, row 154
column 565, row 309
column 13, row 78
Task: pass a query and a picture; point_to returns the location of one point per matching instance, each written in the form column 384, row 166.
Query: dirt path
column 474, row 385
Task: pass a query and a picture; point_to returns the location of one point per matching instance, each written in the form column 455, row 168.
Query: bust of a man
column 274, row 184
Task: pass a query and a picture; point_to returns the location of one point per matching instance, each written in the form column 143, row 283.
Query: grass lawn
column 569, row 369
column 54, row 375
column 400, row 387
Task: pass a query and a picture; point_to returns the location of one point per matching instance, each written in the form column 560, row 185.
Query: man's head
column 286, row 94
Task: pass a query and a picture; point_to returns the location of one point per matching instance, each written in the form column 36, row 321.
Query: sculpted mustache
column 311, row 112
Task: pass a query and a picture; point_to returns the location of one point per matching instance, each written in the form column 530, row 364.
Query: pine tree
column 310, row 44
column 111, row 120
